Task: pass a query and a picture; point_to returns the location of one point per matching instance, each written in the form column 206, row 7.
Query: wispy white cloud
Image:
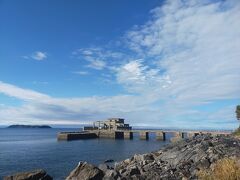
column 80, row 72
column 190, row 56
column 98, row 58
column 39, row 107
column 138, row 77
column 23, row 94
column 38, row 55
column 196, row 44
column 96, row 63
column 40, row 82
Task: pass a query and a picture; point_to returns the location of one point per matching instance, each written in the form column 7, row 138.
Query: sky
column 156, row 63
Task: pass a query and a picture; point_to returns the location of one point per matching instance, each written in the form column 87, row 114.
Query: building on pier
column 109, row 124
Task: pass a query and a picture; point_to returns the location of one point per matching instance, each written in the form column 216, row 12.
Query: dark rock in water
column 177, row 161
column 85, row 171
column 33, row 175
column 29, row 126
column 109, row 161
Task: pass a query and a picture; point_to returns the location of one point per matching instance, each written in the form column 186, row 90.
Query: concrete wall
column 111, row 134
column 75, row 136
column 177, row 136
column 128, row 135
column 160, row 135
column 144, row 135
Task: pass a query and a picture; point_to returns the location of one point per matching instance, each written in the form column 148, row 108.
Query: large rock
column 111, row 175
column 33, row 175
column 103, row 167
column 85, row 171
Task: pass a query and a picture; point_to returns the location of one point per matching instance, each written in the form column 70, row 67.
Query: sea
column 28, row 149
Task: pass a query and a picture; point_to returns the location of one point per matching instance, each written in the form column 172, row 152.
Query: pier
column 128, row 134
column 67, row 136
column 114, row 128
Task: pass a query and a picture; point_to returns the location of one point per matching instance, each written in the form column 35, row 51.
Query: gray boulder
column 111, row 175
column 38, row 174
column 85, row 171
column 103, row 167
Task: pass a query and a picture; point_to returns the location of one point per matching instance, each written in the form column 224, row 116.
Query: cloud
column 40, row 82
column 98, row 58
column 96, row 64
column 23, row 94
column 38, row 55
column 138, row 77
column 196, row 44
column 39, row 107
column 81, row 72
column 189, row 54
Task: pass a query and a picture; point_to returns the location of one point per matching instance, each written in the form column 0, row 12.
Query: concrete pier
column 160, row 135
column 144, row 135
column 111, row 134
column 67, row 136
column 128, row 135
column 190, row 134
column 176, row 136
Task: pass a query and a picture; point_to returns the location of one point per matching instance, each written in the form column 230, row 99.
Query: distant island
column 29, row 126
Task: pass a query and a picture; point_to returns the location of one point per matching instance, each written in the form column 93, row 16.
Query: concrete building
column 110, row 124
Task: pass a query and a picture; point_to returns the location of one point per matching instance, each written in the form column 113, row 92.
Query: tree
column 237, row 132
column 238, row 112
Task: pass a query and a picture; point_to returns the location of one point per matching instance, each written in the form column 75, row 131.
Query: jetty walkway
column 128, row 134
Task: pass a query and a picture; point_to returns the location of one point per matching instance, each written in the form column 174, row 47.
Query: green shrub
column 237, row 132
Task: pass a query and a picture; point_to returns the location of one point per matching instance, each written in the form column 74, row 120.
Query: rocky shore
column 179, row 160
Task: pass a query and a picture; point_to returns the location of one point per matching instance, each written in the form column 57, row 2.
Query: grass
column 237, row 132
column 224, row 169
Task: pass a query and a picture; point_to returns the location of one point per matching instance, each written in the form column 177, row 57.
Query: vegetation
column 224, row 169
column 237, row 132
column 238, row 112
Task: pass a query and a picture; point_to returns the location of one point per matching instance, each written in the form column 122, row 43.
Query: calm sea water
column 28, row 149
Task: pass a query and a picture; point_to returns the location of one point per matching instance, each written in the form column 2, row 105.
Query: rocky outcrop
column 180, row 160
column 85, row 171
column 33, row 175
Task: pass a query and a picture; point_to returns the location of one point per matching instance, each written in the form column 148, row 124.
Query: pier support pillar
column 182, row 134
column 128, row 135
column 197, row 133
column 177, row 136
column 144, row 135
column 160, row 135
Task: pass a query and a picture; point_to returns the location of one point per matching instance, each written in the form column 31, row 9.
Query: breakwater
column 128, row 134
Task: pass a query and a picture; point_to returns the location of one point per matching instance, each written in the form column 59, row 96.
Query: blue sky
column 155, row 63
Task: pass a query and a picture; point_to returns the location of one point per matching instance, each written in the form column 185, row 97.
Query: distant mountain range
column 29, row 126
